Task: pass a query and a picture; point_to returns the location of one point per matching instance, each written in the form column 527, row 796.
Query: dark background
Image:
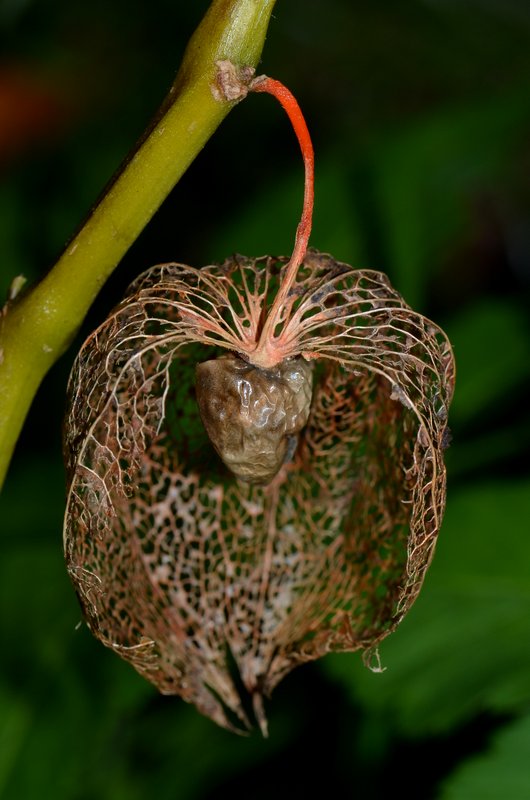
column 420, row 113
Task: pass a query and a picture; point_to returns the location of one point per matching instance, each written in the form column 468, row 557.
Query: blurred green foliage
column 421, row 123
column 504, row 771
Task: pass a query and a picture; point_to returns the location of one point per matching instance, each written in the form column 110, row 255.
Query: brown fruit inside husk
column 253, row 415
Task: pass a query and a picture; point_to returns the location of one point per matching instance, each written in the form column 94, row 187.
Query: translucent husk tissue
column 182, row 566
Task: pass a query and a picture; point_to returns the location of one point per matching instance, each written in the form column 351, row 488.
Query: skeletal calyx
column 253, row 415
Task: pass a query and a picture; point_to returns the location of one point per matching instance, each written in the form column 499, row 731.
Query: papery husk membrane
column 178, row 566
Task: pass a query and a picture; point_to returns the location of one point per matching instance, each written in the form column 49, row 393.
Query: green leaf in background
column 425, row 175
column 502, row 772
column 464, row 648
column 491, row 342
column 493, row 331
column 267, row 223
column 15, row 720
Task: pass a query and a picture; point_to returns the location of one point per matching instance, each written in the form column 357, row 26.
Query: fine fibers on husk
column 182, row 567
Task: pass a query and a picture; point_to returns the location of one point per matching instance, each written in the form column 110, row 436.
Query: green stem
column 36, row 329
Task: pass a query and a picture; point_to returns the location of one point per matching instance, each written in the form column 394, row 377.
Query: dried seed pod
column 174, row 563
column 253, row 415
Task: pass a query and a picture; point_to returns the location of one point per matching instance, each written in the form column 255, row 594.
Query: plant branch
column 38, row 326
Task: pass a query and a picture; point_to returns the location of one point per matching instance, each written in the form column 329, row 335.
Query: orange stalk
column 264, row 355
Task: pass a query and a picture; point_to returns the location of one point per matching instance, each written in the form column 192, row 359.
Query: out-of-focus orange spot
column 31, row 111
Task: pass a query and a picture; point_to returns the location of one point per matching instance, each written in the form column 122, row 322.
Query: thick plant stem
column 37, row 328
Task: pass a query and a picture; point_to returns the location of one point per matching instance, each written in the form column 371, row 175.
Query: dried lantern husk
column 176, row 562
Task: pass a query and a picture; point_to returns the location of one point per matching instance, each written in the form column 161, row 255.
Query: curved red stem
column 296, row 118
